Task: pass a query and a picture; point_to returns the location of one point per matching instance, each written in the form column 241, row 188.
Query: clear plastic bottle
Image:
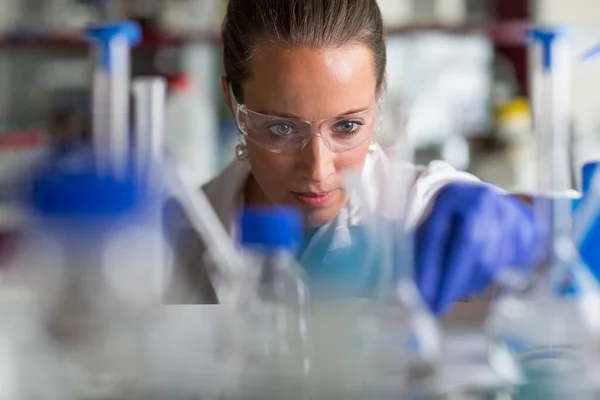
column 99, row 274
column 270, row 354
column 28, row 365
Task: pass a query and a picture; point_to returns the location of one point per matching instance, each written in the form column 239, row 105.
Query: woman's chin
column 318, row 218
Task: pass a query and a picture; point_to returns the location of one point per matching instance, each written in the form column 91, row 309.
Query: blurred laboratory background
column 462, row 64
column 460, row 67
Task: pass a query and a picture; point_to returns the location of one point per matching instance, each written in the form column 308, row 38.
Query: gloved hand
column 471, row 235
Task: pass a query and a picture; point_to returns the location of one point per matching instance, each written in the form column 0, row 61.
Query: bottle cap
column 102, row 36
column 75, row 189
column 277, row 228
column 547, row 36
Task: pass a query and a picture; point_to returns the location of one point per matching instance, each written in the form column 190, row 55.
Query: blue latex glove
column 472, row 234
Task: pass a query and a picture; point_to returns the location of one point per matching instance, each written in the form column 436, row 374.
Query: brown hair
column 310, row 23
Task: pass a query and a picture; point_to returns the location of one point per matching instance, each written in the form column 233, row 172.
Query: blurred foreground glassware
column 398, row 341
column 100, row 279
column 269, row 303
column 545, row 337
column 29, row 367
column 110, row 93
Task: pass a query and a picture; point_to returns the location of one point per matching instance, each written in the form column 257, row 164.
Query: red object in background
column 512, row 9
column 15, row 141
column 520, row 12
column 153, row 36
column 74, row 40
column 182, row 82
column 21, row 140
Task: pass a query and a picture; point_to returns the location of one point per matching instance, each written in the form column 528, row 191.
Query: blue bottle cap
column 546, row 36
column 277, row 228
column 102, row 35
column 588, row 171
column 75, row 192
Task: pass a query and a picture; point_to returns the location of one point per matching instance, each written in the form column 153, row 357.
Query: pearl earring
column 241, row 152
column 372, row 147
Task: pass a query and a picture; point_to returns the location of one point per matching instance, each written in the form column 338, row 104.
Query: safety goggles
column 290, row 135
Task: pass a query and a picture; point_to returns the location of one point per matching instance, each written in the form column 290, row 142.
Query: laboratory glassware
column 29, row 366
column 149, row 97
column 182, row 351
column 221, row 251
column 100, row 280
column 158, row 170
column 269, row 310
column 545, row 337
column 110, row 93
column 398, row 341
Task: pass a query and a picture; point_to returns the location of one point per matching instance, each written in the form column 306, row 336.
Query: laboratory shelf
column 75, row 41
column 507, row 33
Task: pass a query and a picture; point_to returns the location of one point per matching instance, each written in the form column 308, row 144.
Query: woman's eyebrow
column 355, row 111
column 275, row 113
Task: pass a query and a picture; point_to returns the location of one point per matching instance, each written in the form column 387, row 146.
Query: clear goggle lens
column 284, row 135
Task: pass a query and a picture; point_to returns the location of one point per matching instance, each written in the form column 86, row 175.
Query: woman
column 304, row 81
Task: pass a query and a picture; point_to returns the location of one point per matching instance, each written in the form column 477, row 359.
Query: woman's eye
column 281, row 129
column 348, row 126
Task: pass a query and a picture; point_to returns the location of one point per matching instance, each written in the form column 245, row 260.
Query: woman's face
column 311, row 84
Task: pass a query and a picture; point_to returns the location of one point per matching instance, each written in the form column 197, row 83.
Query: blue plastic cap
column 64, row 191
column 588, row 172
column 546, row 36
column 272, row 229
column 102, row 35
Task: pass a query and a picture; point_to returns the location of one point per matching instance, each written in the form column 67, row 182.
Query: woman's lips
column 314, row 199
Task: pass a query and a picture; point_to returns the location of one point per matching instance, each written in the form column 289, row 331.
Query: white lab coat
column 225, row 193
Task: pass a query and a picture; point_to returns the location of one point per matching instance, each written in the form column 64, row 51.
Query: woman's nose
column 316, row 160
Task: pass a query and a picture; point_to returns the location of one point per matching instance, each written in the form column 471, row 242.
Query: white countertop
column 188, row 331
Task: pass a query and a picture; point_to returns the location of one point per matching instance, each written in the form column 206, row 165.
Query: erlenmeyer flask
column 546, row 336
column 398, row 347
column 397, row 339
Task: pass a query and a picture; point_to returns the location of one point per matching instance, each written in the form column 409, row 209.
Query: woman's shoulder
column 225, row 191
column 189, row 250
column 221, row 192
column 233, row 175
